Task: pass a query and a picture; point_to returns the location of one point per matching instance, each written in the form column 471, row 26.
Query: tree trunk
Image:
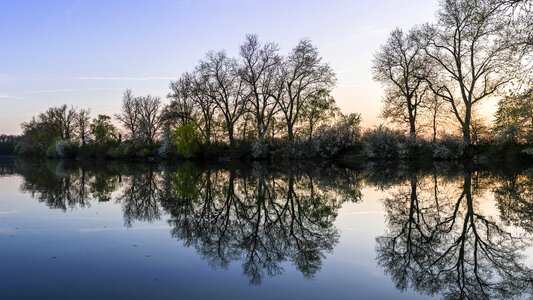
column 466, row 125
column 290, row 133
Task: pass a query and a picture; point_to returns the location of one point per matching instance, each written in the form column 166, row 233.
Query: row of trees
column 259, row 94
column 60, row 128
column 255, row 100
column 262, row 104
column 476, row 50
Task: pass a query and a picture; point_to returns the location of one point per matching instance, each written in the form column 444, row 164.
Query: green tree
column 514, row 118
column 103, row 130
column 187, row 140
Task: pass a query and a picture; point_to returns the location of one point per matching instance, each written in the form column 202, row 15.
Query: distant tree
column 150, row 118
column 401, row 66
column 435, row 114
column 63, row 118
column 182, row 107
column 260, row 65
column 225, row 88
column 130, row 115
column 320, row 107
column 103, row 130
column 480, row 129
column 8, row 144
column 82, row 121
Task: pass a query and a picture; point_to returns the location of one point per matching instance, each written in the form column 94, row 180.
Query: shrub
column 260, row 150
column 449, row 148
column 384, row 143
column 344, row 135
column 51, row 151
column 65, row 149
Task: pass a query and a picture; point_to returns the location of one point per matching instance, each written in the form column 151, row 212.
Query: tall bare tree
column 150, row 121
column 225, row 88
column 400, row 65
column 83, row 122
column 130, row 114
column 259, row 65
column 189, row 96
column 304, row 74
column 474, row 59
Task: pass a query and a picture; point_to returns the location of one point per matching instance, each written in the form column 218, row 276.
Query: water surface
column 110, row 230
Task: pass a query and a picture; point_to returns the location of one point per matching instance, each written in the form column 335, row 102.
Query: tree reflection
column 259, row 217
column 262, row 219
column 55, row 184
column 514, row 197
column 445, row 243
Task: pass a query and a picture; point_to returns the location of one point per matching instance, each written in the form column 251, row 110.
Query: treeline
column 8, row 144
column 258, row 106
column 265, row 105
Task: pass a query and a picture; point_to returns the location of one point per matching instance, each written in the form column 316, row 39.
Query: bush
column 528, row 153
column 260, row 150
column 51, row 151
column 333, row 141
column 65, row 149
column 449, row 148
column 384, row 143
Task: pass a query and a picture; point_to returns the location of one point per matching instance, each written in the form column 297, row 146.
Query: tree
column 130, row 114
column 259, row 65
column 401, row 66
column 225, row 88
column 150, row 121
column 435, row 114
column 63, row 119
column 302, row 77
column 473, row 59
column 514, row 118
column 83, row 124
column 189, row 96
column 320, row 107
column 103, row 130
column 187, row 140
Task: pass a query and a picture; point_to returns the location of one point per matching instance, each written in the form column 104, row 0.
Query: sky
column 85, row 53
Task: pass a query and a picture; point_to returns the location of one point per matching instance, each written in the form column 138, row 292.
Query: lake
column 115, row 230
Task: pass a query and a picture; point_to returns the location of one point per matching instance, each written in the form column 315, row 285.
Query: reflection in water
column 261, row 218
column 441, row 238
column 440, row 241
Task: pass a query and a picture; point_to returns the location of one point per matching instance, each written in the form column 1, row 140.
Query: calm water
column 145, row 231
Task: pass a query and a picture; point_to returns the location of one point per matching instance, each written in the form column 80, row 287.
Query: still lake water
column 96, row 230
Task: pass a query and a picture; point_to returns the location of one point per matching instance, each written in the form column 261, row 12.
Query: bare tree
column 83, row 122
column 130, row 114
column 259, row 66
column 474, row 59
column 189, row 96
column 62, row 118
column 149, row 117
column 400, row 65
column 435, row 114
column 225, row 88
column 303, row 75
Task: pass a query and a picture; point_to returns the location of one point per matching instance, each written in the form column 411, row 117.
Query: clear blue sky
column 86, row 53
